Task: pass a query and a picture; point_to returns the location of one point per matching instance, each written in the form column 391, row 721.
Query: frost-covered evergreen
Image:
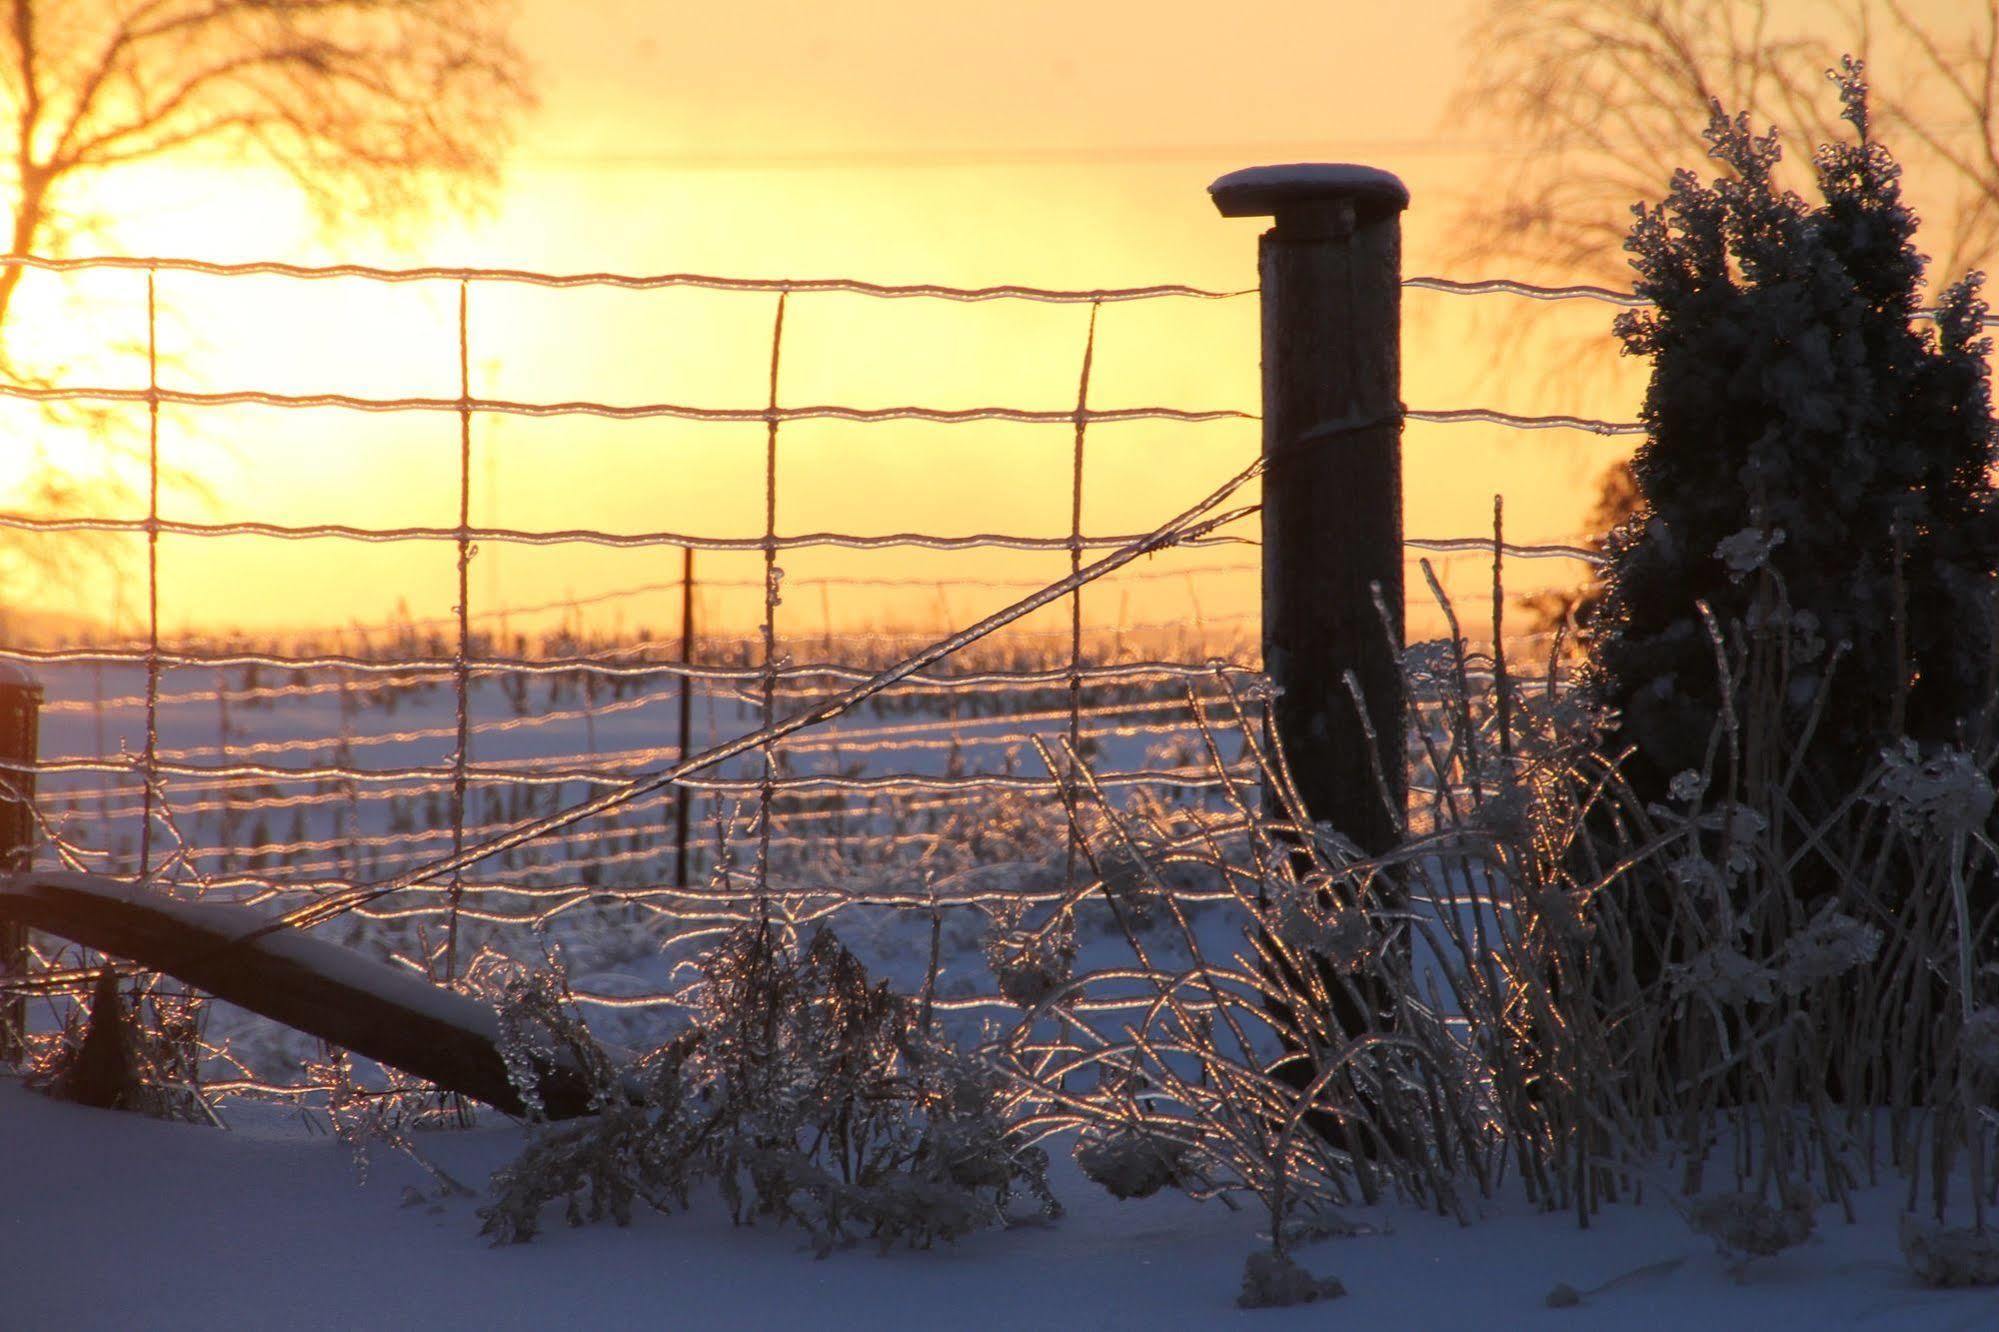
column 1816, row 468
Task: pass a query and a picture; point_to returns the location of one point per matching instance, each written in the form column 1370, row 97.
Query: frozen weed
column 1273, row 1281
column 1943, row 1258
column 801, row 1090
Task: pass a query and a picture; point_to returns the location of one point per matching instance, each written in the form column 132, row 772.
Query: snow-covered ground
column 110, row 1220
column 115, row 1221
column 280, row 839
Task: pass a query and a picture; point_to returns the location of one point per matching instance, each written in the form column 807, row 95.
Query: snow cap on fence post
column 1332, row 493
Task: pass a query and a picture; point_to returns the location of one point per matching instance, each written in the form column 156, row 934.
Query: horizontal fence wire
column 851, row 286
column 1574, row 291
column 834, row 672
column 337, row 818
column 580, row 536
column 607, row 410
column 610, row 767
column 659, row 281
column 630, row 282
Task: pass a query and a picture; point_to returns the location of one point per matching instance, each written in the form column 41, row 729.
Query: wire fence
column 425, row 785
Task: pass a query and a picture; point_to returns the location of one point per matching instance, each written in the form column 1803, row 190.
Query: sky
column 1053, row 144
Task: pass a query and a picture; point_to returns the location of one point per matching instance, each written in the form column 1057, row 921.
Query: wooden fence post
column 1331, row 277
column 20, row 714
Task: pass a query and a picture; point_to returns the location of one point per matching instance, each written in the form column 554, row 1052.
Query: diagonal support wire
column 1196, row 521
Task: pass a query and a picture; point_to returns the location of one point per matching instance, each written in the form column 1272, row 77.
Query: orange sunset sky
column 1057, row 144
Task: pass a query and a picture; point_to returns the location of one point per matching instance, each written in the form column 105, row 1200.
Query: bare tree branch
column 1610, row 97
column 381, row 112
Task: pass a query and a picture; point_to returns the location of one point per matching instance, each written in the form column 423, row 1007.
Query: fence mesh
column 429, row 787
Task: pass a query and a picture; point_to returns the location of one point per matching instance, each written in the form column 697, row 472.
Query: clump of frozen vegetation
column 801, row 1090
column 388, row 1116
column 1220, row 1061
column 1129, row 1162
column 1273, row 1281
column 1944, row 1257
column 143, row 1053
column 1746, row 1226
column 1031, row 966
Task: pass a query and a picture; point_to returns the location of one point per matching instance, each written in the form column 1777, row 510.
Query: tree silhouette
column 1816, row 470
column 1605, row 99
column 382, row 113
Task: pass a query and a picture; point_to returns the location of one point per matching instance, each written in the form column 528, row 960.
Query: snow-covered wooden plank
column 368, row 1006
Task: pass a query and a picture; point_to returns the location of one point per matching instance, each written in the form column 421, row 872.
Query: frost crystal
column 1748, row 550
column 1945, row 794
column 1740, row 827
column 1030, row 965
column 1259, row 689
column 1831, row 945
column 1686, row 785
column 1739, row 823
column 1694, row 872
column 1726, row 977
column 1316, row 921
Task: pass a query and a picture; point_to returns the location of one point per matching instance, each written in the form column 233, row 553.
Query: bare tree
column 379, row 110
column 1606, row 98
column 382, row 112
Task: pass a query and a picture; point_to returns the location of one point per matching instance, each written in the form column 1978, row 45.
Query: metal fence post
column 1332, row 493
column 20, row 714
column 681, row 794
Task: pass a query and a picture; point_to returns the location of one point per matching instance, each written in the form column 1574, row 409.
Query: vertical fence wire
column 226, row 797
column 101, row 744
column 152, row 759
column 1501, row 688
column 1075, row 565
column 460, row 671
column 766, row 793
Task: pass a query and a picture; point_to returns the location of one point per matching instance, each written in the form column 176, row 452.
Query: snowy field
column 603, row 890
column 116, row 1221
